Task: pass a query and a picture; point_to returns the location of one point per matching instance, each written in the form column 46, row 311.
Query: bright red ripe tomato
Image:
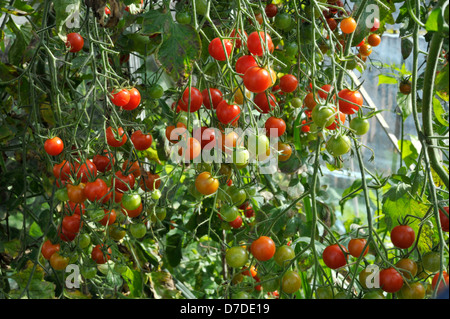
column 374, row 39
column 444, row 219
column 288, row 83
column 238, row 41
column 135, row 100
column 244, row 63
column 265, row 102
column 54, row 146
column 48, row 249
column 237, row 223
column 110, row 217
column 62, row 170
column 215, row 49
column 85, row 170
column 257, row 41
column 141, row 141
column 390, row 280
column 111, row 135
column 72, row 224
column 275, row 127
column 356, row 246
column 257, row 79
column 327, row 88
column 263, row 248
column 340, row 119
column 271, row 10
column 149, row 181
column 334, row 256
column 347, row 98
column 443, row 283
column 305, row 128
column 216, row 98
column 196, row 100
column 123, row 182
column 103, row 161
column 228, row 113
column 132, row 167
column 403, row 236
column 74, row 42
column 95, row 190
column 206, row 135
column 75, row 208
column 99, row 256
column 376, row 25
column 120, row 98
column 133, row 212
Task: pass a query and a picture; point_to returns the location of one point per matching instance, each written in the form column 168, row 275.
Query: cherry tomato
column 206, row 135
column 156, row 91
column 365, row 49
column 444, row 219
column 174, row 134
column 403, row 236
column 339, row 145
column 123, row 182
column 359, row 125
column 407, row 267
column 390, row 280
column 415, row 290
column 216, row 49
column 62, row 170
column 59, row 262
column 238, row 41
column 309, row 101
column 283, row 21
column 356, row 246
column 334, row 256
column 120, row 98
column 131, row 201
column 115, row 137
column 95, row 190
column 206, row 184
column 288, row 83
column 216, row 98
column 340, row 119
column 85, row 171
column 141, row 141
column 443, row 283
column 327, row 88
column 332, row 23
column 103, row 161
column 138, row 230
column 376, row 25
column 244, row 63
column 237, row 195
column 150, row 182
column 133, row 212
column 237, row 223
column 48, row 249
column 431, row 261
column 263, row 248
column 283, row 255
column 109, row 218
column 131, row 167
column 257, row 41
column 374, row 39
column 229, row 213
column 76, row 193
column 265, row 102
column 54, row 146
column 271, row 10
column 75, row 208
column 275, row 127
column 192, row 149
column 348, row 99
column 135, row 100
column 285, row 151
column 348, row 25
column 74, row 42
column 323, row 115
column 257, row 79
column 99, row 255
column 196, row 99
column 236, row 257
column 228, row 113
column 183, row 17
column 291, row 282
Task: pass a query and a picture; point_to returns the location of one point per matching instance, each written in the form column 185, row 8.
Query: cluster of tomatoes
column 406, row 277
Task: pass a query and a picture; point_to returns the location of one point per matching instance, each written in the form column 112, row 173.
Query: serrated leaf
column 134, row 281
column 386, row 79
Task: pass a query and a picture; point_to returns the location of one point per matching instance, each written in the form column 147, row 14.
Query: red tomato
column 174, row 134
column 95, row 190
column 443, row 283
column 237, row 223
column 133, row 213
column 271, row 10
column 103, row 161
column 115, row 137
column 134, row 101
column 62, row 170
column 110, row 217
column 327, row 88
column 288, row 83
column 120, row 98
column 54, row 146
column 74, row 42
column 75, row 208
column 72, row 224
column 228, row 113
column 76, row 193
column 216, row 49
column 403, row 236
column 390, row 280
column 347, row 98
column 238, row 41
column 141, row 141
column 132, row 167
column 376, row 25
column 48, row 249
column 244, row 63
column 444, row 219
column 216, row 98
column 257, row 41
column 123, row 182
column 275, row 127
column 192, row 151
column 206, row 135
column 265, row 102
column 196, row 99
column 263, row 248
column 149, row 181
column 356, row 246
column 85, row 171
column 257, row 79
column 340, row 119
column 334, row 256
column 99, row 256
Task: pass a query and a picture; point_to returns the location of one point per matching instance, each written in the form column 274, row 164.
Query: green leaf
column 409, row 151
column 66, row 14
column 18, row 52
column 397, row 191
column 435, row 21
column 35, row 230
column 439, row 112
column 386, row 79
column 134, row 281
column 404, row 102
column 407, row 46
column 442, row 81
column 173, row 249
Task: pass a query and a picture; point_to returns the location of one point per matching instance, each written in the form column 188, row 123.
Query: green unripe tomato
column 120, row 268
column 131, row 201
column 323, row 115
column 283, row 21
column 236, row 257
column 116, row 232
column 270, row 283
column 324, row 293
column 339, row 145
column 138, row 230
column 201, row 7
column 84, row 240
column 96, row 214
column 283, row 255
column 62, row 195
column 156, row 91
column 229, row 213
column 156, row 194
column 241, row 157
column 291, row 49
column 359, row 125
column 183, row 17
column 237, row 196
column 88, row 272
column 160, row 213
column 241, row 295
column 296, row 102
